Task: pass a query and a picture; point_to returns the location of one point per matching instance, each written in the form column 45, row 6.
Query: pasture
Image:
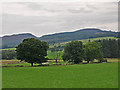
column 102, row 75
column 93, row 75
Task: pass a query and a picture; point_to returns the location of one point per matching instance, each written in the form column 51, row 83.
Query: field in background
column 50, row 62
column 9, row 49
column 91, row 39
column 103, row 75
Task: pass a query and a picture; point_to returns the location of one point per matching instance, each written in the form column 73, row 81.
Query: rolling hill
column 13, row 40
column 77, row 35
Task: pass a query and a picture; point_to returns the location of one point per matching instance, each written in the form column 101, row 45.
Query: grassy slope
column 8, row 49
column 91, row 39
column 103, row 75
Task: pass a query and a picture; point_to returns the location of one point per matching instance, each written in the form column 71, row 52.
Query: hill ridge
column 77, row 35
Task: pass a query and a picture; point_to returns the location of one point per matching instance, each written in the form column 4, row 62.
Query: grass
column 91, row 39
column 9, row 49
column 104, row 75
column 15, row 62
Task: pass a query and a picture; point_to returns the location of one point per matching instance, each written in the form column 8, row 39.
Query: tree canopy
column 32, row 51
column 73, row 51
column 110, row 47
column 93, row 51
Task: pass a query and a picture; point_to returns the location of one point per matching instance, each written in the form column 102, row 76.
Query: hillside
column 87, row 40
column 13, row 40
column 77, row 35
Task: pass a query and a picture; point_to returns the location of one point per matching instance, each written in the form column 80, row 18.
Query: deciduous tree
column 32, row 51
column 74, row 51
column 93, row 51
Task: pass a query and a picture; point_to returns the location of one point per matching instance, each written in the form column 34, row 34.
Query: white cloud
column 45, row 17
column 60, row 1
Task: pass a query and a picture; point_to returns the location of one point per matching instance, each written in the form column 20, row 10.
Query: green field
column 91, row 39
column 103, row 75
column 9, row 49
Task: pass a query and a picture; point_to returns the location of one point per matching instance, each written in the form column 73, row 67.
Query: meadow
column 102, row 75
column 93, row 75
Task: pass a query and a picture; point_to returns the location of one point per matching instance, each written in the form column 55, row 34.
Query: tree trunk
column 31, row 64
column 56, row 60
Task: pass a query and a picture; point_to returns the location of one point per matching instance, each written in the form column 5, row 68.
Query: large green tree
column 73, row 51
column 32, row 51
column 93, row 51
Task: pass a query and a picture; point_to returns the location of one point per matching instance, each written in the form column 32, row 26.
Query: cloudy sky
column 41, row 18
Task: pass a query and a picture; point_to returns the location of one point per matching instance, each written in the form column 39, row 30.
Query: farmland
column 16, row 74
column 103, row 75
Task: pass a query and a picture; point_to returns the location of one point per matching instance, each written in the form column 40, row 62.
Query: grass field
column 9, row 49
column 103, row 75
column 91, row 39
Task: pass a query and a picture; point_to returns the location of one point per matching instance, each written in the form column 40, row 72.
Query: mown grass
column 103, row 75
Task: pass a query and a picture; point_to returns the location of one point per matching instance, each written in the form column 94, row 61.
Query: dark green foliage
column 32, row 51
column 93, row 51
column 110, row 47
column 73, row 51
column 56, row 48
column 8, row 54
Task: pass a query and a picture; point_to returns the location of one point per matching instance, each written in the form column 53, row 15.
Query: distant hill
column 13, row 40
column 77, row 35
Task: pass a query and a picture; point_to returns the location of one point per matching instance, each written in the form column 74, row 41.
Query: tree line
column 110, row 48
column 34, row 51
column 8, row 54
column 76, row 52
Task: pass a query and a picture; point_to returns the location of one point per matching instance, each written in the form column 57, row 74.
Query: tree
column 73, row 51
column 32, row 51
column 109, row 48
column 57, row 50
column 93, row 51
column 8, row 54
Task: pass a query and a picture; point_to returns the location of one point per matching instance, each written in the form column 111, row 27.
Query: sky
column 42, row 18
